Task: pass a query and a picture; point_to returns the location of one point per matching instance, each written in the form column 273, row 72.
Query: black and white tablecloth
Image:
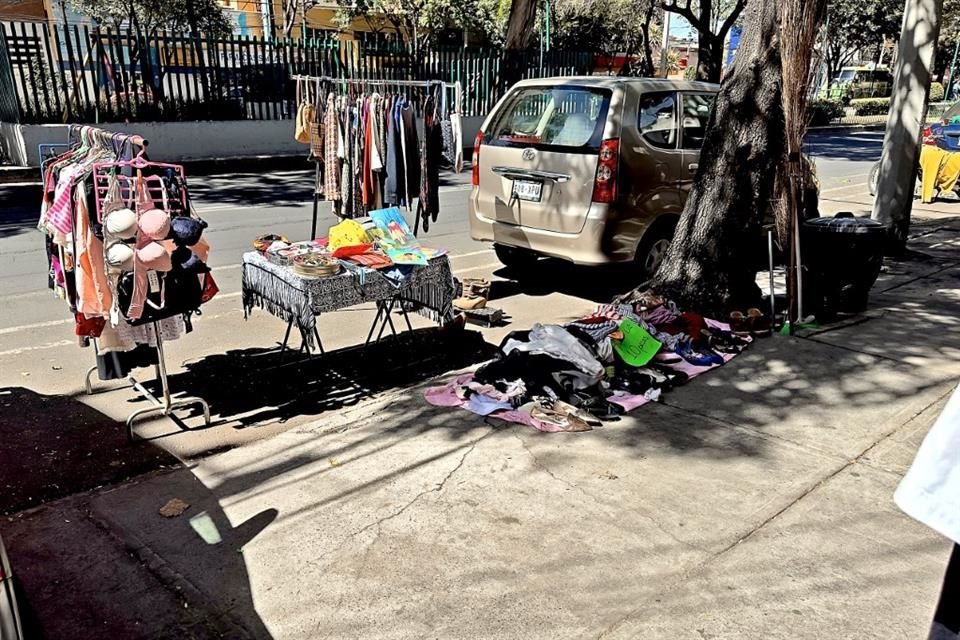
column 279, row 290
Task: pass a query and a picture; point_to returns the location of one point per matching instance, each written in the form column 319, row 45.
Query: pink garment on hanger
column 58, row 214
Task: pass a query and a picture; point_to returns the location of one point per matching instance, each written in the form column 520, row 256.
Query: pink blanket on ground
column 446, row 395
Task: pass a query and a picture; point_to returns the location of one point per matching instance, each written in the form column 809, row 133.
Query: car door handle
column 693, row 166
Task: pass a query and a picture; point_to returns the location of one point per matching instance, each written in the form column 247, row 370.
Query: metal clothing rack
column 164, row 407
column 321, row 80
column 168, row 404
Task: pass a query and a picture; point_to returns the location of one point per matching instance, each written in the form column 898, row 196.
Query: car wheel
column 873, row 179
column 653, row 248
column 515, row 258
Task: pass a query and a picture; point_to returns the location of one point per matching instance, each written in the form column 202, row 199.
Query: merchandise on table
column 569, row 378
column 350, row 266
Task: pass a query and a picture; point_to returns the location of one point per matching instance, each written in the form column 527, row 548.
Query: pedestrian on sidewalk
column 930, row 493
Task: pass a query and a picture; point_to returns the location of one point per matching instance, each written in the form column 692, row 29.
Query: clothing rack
column 168, row 404
column 163, row 407
column 321, row 80
column 77, row 132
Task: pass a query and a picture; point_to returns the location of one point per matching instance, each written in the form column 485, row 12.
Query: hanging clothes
column 410, row 143
column 428, row 205
column 395, row 175
column 331, row 161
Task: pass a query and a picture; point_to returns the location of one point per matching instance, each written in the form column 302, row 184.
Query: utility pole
column 666, row 44
column 908, row 111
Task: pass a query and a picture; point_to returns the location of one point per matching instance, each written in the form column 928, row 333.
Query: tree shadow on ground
column 55, row 446
column 70, row 563
column 252, row 386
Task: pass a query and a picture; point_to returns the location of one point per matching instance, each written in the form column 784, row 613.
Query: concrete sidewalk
column 753, row 502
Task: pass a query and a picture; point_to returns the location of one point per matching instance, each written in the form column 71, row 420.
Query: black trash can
column 842, row 256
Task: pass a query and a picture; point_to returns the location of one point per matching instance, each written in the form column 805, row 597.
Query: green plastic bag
column 638, row 347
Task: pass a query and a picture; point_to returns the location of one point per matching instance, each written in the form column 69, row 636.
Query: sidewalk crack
column 378, row 523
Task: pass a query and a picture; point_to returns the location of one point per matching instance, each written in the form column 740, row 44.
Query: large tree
column 708, row 265
column 712, row 20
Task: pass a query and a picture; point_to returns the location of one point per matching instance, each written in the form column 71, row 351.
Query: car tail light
column 605, row 184
column 476, row 158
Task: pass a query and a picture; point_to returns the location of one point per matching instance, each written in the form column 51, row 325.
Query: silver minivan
column 592, row 169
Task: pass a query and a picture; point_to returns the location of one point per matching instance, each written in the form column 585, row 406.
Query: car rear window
column 570, row 118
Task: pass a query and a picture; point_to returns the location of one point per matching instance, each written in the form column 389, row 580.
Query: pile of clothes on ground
column 578, row 376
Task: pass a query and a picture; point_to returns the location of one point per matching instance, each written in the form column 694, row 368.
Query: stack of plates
column 316, row 265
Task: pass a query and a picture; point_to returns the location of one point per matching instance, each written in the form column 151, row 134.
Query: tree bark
column 709, row 58
column 520, row 26
column 708, row 265
column 908, row 109
column 647, row 45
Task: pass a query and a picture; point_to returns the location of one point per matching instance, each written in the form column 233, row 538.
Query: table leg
column 406, row 316
column 387, row 320
column 373, row 327
column 286, row 337
column 316, row 334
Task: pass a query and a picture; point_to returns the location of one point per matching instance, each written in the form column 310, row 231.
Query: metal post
column 547, row 23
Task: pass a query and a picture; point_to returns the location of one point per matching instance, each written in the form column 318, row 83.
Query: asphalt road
column 38, row 351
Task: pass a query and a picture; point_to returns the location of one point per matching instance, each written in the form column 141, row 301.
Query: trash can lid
column 845, row 224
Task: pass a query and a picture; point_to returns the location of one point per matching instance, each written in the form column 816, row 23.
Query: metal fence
column 79, row 73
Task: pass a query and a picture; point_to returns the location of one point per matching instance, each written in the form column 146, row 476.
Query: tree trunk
column 709, row 57
column 908, row 109
column 647, row 45
column 523, row 14
column 708, row 265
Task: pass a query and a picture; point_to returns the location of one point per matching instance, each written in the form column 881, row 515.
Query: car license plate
column 527, row 190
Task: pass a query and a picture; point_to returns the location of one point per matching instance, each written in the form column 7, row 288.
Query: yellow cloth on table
column 941, row 170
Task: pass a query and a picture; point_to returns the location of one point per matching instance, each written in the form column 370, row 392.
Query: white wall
column 176, row 141
column 179, row 141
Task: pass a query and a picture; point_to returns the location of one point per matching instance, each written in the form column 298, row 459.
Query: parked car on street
column 593, row 170
column 9, row 617
column 945, row 133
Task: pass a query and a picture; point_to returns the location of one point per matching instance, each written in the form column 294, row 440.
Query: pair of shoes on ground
column 754, row 323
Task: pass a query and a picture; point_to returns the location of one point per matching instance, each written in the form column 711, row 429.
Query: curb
column 848, row 128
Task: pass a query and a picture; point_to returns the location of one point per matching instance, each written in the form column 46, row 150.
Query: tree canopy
column 608, row 27
column 206, row 16
column 712, row 20
column 858, row 25
column 421, row 21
